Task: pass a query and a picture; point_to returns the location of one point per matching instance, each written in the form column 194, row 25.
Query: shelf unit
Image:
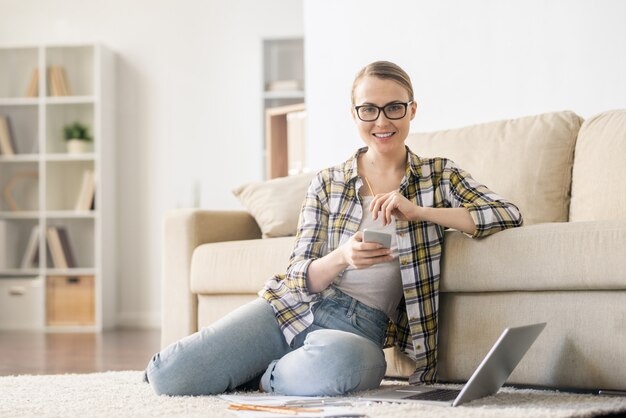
column 42, row 295
column 283, row 89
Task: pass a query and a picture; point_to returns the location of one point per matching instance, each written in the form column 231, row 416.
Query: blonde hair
column 387, row 71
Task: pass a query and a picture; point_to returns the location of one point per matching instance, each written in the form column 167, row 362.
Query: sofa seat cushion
column 552, row 256
column 532, row 258
column 526, row 160
column 238, row 267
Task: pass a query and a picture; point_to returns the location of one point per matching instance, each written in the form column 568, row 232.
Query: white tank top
column 378, row 286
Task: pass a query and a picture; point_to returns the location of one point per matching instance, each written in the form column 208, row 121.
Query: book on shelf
column 59, row 86
column 66, row 247
column 59, row 247
column 30, row 259
column 86, row 195
column 33, row 86
column 7, row 143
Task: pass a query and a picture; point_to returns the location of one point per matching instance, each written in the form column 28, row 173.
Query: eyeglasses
column 392, row 111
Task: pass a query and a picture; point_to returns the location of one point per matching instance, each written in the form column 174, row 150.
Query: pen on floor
column 276, row 409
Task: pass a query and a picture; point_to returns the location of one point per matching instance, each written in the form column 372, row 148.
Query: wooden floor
column 58, row 353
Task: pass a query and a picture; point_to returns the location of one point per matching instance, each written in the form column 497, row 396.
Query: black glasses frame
column 405, row 104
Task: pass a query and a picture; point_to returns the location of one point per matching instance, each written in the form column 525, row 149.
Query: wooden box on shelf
column 70, row 300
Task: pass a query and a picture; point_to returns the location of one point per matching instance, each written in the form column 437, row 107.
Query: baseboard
column 147, row 320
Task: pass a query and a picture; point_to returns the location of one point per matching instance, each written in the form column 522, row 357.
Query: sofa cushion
column 532, row 258
column 236, row 267
column 598, row 181
column 275, row 204
column 552, row 256
column 527, row 160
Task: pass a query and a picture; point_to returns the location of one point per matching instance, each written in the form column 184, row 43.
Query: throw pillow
column 275, row 204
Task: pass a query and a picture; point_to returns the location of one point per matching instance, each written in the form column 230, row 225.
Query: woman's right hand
column 360, row 254
column 354, row 252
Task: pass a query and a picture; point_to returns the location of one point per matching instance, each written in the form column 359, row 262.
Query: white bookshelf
column 283, row 88
column 49, row 198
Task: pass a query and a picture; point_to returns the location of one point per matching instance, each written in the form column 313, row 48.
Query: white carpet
column 123, row 394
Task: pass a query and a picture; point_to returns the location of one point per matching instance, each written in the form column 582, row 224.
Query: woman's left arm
column 470, row 206
column 489, row 212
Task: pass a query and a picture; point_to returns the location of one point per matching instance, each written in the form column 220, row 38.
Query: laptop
column 486, row 380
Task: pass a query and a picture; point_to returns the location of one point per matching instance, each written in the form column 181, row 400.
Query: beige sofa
column 566, row 266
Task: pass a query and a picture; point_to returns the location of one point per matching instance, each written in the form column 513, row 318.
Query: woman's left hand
column 394, row 204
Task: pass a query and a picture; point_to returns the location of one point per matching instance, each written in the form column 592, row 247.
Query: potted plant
column 77, row 137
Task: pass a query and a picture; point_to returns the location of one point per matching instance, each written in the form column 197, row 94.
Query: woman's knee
column 330, row 362
column 345, row 349
column 173, row 378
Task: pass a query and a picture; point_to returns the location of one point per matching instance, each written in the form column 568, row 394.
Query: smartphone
column 382, row 238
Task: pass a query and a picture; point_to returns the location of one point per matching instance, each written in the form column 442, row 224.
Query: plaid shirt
column 331, row 214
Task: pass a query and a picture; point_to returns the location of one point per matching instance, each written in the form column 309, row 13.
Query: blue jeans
column 339, row 353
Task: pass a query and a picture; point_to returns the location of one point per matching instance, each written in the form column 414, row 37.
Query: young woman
column 320, row 328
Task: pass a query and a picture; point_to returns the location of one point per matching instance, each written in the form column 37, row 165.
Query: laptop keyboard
column 436, row 395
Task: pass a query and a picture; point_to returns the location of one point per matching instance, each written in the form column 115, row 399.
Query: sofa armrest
column 184, row 230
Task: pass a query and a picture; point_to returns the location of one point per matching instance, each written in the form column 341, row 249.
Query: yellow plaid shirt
column 331, row 214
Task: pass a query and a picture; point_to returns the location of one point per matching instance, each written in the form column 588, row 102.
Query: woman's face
column 382, row 135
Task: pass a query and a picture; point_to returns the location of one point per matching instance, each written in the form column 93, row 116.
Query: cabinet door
column 21, row 303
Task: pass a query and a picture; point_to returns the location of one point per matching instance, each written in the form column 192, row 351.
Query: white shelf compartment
column 63, row 183
column 25, row 192
column 24, row 126
column 283, row 60
column 14, row 237
column 60, row 115
column 78, row 63
column 16, row 69
column 81, row 240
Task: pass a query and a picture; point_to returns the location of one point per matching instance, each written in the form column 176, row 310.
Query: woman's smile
column 384, row 136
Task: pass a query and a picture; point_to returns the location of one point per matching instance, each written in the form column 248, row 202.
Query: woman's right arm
column 311, row 269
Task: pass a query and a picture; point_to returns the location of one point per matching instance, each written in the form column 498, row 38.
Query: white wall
column 470, row 61
column 188, row 108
